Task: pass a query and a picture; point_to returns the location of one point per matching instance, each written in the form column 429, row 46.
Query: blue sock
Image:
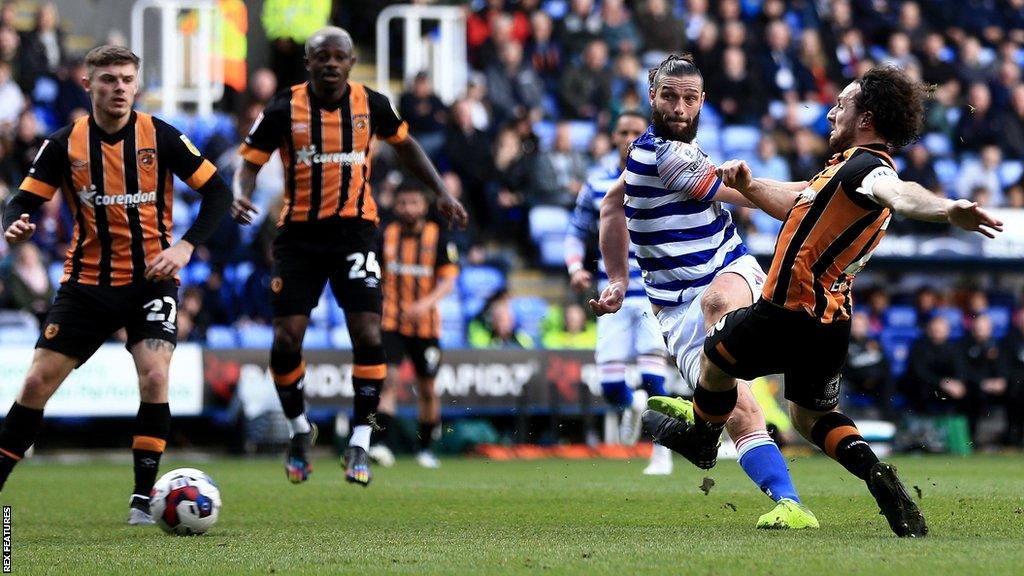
column 617, row 394
column 652, row 374
column 653, row 384
column 761, row 460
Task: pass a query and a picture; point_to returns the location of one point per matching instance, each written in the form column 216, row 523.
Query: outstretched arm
column 242, row 186
column 412, row 157
column 771, row 196
column 912, row 200
column 614, row 243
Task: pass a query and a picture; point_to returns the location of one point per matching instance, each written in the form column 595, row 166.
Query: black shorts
column 306, row 257
column 425, row 353
column 83, row 317
column 764, row 339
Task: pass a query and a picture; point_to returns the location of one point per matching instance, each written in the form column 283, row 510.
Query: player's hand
column 969, row 216
column 20, row 231
column 452, row 209
column 414, row 311
column 169, row 262
column 610, row 299
column 735, row 174
column 243, row 210
column 580, row 281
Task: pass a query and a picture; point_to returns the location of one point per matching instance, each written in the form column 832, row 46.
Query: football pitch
column 520, row 517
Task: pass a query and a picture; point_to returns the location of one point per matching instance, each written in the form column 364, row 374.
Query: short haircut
column 411, row 187
column 633, row 114
column 675, row 65
column 895, row 101
column 107, row 55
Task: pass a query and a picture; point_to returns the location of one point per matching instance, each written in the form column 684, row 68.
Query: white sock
column 361, row 436
column 299, row 425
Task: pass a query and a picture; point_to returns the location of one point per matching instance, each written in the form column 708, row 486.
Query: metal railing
column 443, row 54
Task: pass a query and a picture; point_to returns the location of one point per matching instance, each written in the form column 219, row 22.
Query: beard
column 664, row 129
column 839, row 142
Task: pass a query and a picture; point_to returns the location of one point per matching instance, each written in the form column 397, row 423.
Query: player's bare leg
column 429, row 406
column 47, row 372
column 838, row 437
column 152, row 423
column 368, row 372
column 289, row 372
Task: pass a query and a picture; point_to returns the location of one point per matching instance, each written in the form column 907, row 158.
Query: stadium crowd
column 547, row 78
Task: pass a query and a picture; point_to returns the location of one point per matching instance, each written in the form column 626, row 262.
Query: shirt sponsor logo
column 91, row 198
column 308, row 155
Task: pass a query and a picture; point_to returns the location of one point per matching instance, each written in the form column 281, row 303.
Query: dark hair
column 674, row 65
column 895, row 101
column 633, row 114
column 411, row 188
column 107, row 55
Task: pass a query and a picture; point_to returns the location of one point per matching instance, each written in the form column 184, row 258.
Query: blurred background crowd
column 548, row 78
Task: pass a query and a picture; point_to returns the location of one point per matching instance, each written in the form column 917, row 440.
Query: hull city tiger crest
column 51, row 331
column 361, row 122
column 147, row 158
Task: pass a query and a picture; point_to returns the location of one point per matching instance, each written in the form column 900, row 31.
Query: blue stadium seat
column 530, row 312
column 955, row 318
column 480, row 281
column 552, row 250
column 897, row 348
column 340, row 338
column 581, row 132
column 946, row 170
column 221, row 337
column 901, row 317
column 938, row 145
column 738, row 140
column 545, row 220
column 1001, row 318
column 1010, row 172
column 55, row 271
column 317, row 337
column 198, row 271
column 545, row 131
column 256, row 336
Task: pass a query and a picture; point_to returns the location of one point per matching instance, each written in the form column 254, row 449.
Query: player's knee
column 38, row 387
column 365, row 334
column 713, row 304
column 152, row 382
column 287, row 339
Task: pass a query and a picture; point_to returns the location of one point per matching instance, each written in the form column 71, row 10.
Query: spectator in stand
column 911, row 24
column 479, row 105
column 581, row 26
column 728, row 10
column 468, row 151
column 515, row 90
column 573, row 331
column 480, row 29
column 919, row 168
column 898, row 53
column 938, row 107
column 979, row 123
column 254, row 303
column 72, row 98
column 969, row 66
column 585, row 89
column 27, row 283
column 193, row 320
column 495, row 326
column 768, row 164
column 866, row 375
column 502, row 32
column 783, row 74
column 617, row 28
column 934, row 376
column 807, row 156
column 735, row 92
column 27, row 141
column 1012, row 134
column 1012, row 354
column 926, row 302
column 984, row 372
column 983, row 173
column 706, row 48
column 426, row 114
column 512, row 187
column 42, row 50
column 543, row 52
column 263, row 86
column 12, row 102
column 934, row 68
column 850, row 52
column 877, row 300
column 10, row 42
column 821, row 67
column 662, row 32
column 628, row 85
column 560, row 172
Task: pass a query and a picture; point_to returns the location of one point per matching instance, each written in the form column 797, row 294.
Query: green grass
column 551, row 517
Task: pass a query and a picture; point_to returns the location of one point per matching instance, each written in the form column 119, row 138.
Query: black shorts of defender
column 764, row 339
column 83, row 317
column 425, row 353
column 345, row 254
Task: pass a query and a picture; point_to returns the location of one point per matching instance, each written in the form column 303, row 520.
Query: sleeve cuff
column 201, row 176
column 37, row 187
column 448, row 271
column 254, row 155
column 400, row 135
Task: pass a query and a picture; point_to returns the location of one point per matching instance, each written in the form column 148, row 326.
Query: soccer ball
column 185, row 501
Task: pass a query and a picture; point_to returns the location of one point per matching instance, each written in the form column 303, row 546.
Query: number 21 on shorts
column 363, row 264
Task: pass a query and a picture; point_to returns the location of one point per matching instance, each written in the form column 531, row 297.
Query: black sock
column 838, row 437
column 288, row 370
column 18, row 432
column 711, row 409
column 427, row 434
column 368, row 372
column 149, row 439
column 382, row 432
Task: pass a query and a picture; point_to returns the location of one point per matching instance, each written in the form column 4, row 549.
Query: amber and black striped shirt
column 120, row 190
column 413, row 262
column 828, row 236
column 325, row 151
